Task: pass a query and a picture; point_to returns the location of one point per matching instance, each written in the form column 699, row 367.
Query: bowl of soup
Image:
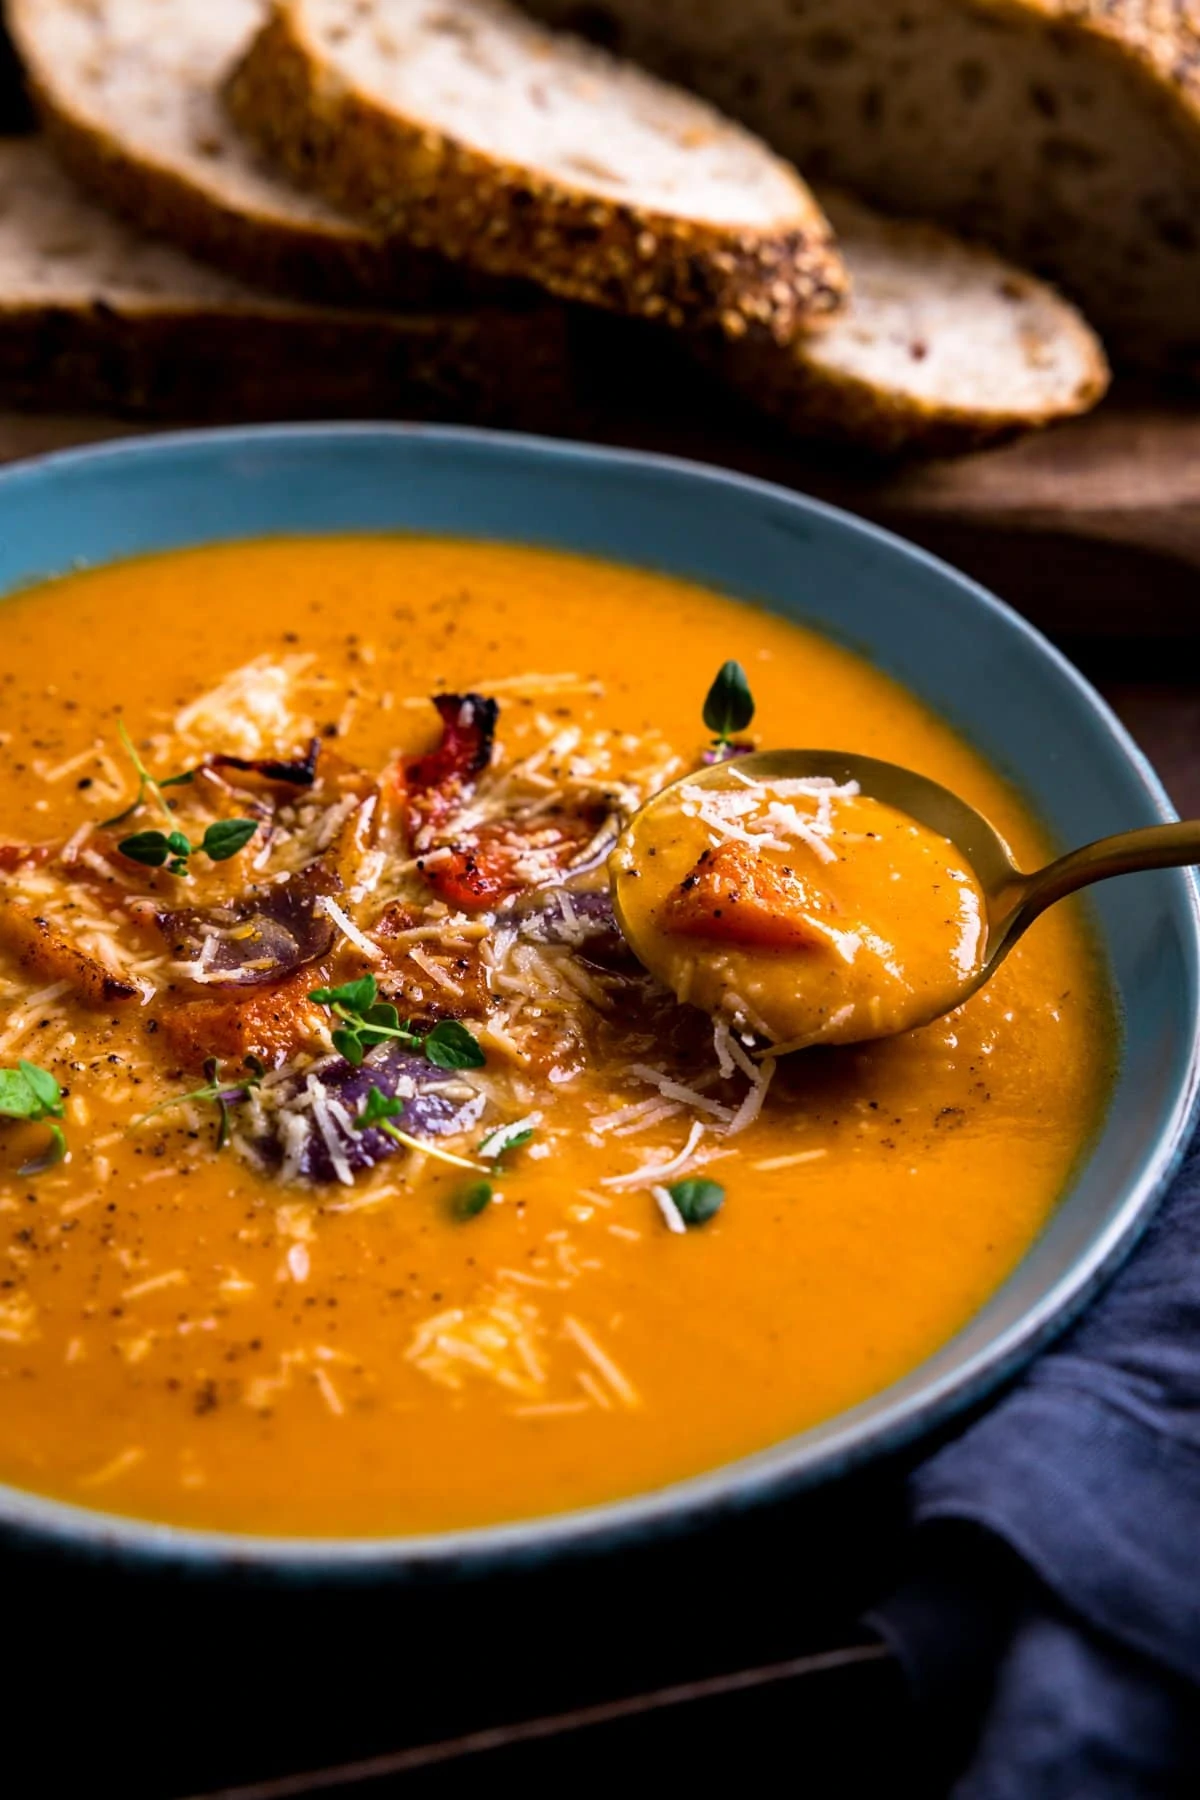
column 365, row 1202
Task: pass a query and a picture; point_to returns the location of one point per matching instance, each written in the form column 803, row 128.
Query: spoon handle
column 1154, row 847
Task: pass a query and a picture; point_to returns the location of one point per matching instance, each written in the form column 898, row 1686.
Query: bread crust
column 207, row 362
column 330, row 263
column 413, row 180
column 806, row 390
column 1153, row 46
column 815, row 401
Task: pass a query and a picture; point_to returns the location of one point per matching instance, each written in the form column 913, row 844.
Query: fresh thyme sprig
column 146, row 781
column 157, row 849
column 215, row 1092
column 380, row 1110
column 365, row 1020
column 31, row 1093
column 728, row 707
column 477, row 1196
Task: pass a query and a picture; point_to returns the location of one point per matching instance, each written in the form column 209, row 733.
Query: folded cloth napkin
column 1054, row 1591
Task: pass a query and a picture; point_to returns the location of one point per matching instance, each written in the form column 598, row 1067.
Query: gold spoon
column 1013, row 899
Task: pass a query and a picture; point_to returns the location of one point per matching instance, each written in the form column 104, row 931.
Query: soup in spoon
column 797, row 909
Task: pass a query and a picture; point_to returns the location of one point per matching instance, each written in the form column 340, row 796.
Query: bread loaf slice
column 1065, row 132
column 128, row 91
column 944, row 347
column 460, row 125
column 92, row 313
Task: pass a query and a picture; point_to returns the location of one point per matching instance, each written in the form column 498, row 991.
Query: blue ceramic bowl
column 969, row 657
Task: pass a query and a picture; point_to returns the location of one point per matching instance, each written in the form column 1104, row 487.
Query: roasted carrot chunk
column 734, row 897
column 272, row 1023
column 40, row 950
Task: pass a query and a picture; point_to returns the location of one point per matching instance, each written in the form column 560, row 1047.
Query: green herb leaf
column 382, row 1015
column 148, row 847
column 354, row 995
column 32, row 1093
column 450, row 1046
column 505, row 1137
column 50, row 1157
column 44, row 1088
column 471, row 1200
column 697, row 1201
column 367, row 1021
column 225, row 837
column 347, row 1043
column 188, row 775
column 729, row 705
column 28, row 1092
column 17, row 1099
column 379, row 1109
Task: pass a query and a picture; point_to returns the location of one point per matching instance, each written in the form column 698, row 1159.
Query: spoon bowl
column 1013, row 898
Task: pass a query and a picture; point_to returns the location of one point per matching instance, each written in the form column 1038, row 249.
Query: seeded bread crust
column 945, row 348
column 94, row 313
column 1064, row 132
column 281, row 240
column 411, row 179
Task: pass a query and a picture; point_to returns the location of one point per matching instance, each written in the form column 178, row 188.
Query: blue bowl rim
column 780, row 1470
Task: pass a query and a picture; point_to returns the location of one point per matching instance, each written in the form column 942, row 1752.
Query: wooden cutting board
column 1092, row 529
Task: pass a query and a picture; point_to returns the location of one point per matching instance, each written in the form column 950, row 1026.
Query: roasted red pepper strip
column 16, row 856
column 477, row 878
column 440, row 780
column 482, row 868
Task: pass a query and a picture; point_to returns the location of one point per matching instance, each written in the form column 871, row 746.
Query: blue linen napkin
column 1054, row 1594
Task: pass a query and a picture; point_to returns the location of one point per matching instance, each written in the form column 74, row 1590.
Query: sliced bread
column 944, row 347
column 462, row 126
column 128, row 91
column 1066, row 132
column 92, row 313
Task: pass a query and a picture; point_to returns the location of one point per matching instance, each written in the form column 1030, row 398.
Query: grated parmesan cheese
column 751, row 1106
column 324, row 1121
column 656, row 1169
column 672, row 1217
column 349, row 929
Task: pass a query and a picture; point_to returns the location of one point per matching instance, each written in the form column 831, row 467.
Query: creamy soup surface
column 396, row 1196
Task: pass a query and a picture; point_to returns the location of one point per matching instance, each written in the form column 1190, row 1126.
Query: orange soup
column 354, row 1178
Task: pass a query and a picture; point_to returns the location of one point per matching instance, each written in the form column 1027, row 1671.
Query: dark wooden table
column 733, row 1656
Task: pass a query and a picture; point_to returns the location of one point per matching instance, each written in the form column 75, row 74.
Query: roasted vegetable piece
column 394, row 1072
column 272, row 1023
column 39, row 949
column 584, row 921
column 438, row 781
column 273, row 931
column 735, row 896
